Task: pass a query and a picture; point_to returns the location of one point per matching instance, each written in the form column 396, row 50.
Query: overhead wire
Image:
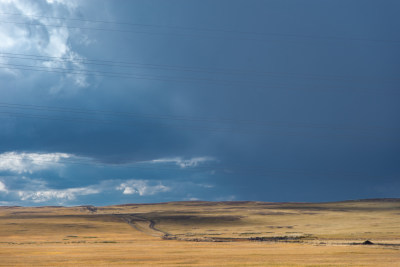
column 125, row 64
column 161, row 78
column 186, row 28
column 124, row 75
column 71, row 71
column 135, row 31
column 191, row 118
column 254, row 86
column 198, row 128
column 112, row 74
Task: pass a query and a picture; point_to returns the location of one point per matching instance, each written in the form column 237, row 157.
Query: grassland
column 203, row 234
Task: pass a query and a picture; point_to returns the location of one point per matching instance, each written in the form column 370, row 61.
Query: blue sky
column 110, row 102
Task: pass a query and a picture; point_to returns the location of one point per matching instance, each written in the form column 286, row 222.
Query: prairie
column 200, row 233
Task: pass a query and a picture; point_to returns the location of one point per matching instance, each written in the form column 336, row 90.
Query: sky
column 108, row 102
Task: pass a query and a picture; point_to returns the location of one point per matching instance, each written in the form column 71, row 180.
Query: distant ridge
column 206, row 203
column 374, row 200
column 237, row 202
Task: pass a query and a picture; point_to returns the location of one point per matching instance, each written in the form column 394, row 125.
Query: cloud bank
column 55, row 178
column 3, row 187
column 184, row 163
column 30, row 162
column 142, row 188
column 56, row 195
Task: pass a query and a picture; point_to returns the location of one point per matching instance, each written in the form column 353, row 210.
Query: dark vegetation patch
column 370, row 243
column 293, row 239
column 236, row 208
column 274, row 213
column 281, row 238
column 266, row 203
column 123, row 205
column 195, row 219
column 161, row 213
column 70, row 225
column 367, row 242
column 250, row 233
column 29, row 212
column 280, row 226
column 184, row 217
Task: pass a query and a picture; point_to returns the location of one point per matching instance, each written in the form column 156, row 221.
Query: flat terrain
column 204, row 234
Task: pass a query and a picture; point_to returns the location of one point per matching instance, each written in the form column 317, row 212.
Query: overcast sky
column 109, row 102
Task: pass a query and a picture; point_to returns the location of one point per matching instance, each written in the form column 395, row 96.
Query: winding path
column 142, row 224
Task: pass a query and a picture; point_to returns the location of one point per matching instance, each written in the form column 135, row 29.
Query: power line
column 186, row 28
column 132, row 31
column 188, row 68
column 233, row 83
column 197, row 128
column 125, row 75
column 188, row 118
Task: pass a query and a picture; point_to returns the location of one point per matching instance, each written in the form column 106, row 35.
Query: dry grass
column 309, row 234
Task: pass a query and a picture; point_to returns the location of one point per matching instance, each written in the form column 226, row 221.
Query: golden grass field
column 203, row 234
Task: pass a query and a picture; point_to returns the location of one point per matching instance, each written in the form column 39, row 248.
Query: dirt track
column 142, row 224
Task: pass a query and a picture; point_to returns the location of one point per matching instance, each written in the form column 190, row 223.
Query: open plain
column 204, row 234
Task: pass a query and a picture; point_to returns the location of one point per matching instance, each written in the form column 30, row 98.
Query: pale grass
column 75, row 236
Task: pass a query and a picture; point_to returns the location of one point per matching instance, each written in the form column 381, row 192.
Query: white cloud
column 192, row 199
column 72, row 4
column 226, row 198
column 206, row 185
column 39, row 38
column 3, row 187
column 30, row 162
column 7, row 203
column 141, row 187
column 24, row 190
column 37, row 190
column 59, row 194
column 184, row 163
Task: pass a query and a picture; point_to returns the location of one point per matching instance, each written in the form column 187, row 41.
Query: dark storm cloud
column 292, row 102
